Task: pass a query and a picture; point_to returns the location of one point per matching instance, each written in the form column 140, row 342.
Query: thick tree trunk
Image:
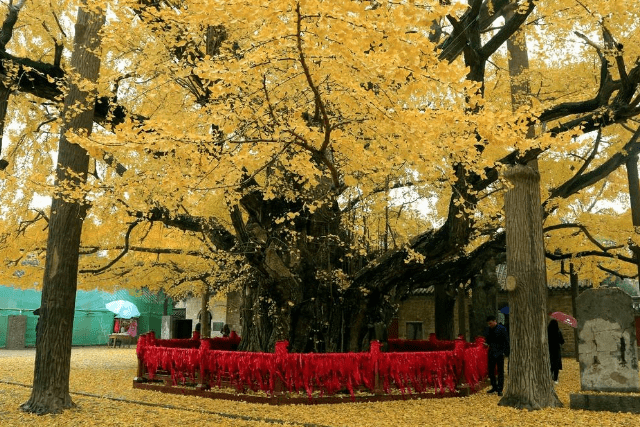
column 205, row 319
column 257, row 323
column 462, row 312
column 483, row 298
column 4, row 103
column 530, row 385
column 444, row 313
column 313, row 324
column 518, row 67
column 295, row 295
column 5, row 92
column 53, row 345
column 634, row 197
column 575, row 291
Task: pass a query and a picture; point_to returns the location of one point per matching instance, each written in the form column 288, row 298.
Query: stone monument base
column 605, row 402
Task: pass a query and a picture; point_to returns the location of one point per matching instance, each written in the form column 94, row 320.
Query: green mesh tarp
column 92, row 322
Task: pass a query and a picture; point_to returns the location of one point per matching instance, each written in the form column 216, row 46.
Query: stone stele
column 607, row 341
column 166, row 331
column 16, row 329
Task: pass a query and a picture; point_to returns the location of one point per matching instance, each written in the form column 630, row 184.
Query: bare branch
column 617, row 48
column 586, row 233
column 592, row 155
column 266, row 96
column 615, row 273
column 579, row 182
column 596, row 197
column 584, row 254
column 353, row 202
column 510, row 27
column 193, row 278
column 55, row 17
column 316, row 93
column 9, row 22
column 24, row 224
column 123, row 253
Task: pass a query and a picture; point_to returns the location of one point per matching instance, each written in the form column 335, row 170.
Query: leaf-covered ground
column 107, row 374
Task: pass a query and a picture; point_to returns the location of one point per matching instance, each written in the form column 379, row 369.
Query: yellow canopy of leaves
column 341, row 92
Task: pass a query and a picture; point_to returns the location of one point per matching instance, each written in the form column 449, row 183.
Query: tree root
column 48, row 406
column 520, row 402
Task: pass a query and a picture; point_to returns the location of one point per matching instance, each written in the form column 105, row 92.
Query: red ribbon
column 310, row 372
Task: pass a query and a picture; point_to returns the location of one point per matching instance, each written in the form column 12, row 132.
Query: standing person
column 196, row 332
column 36, row 312
column 225, row 331
column 555, row 339
column 497, row 339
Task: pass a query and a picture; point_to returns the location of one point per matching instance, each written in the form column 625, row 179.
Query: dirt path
column 27, row 352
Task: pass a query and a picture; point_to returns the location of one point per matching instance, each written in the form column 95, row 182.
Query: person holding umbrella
column 555, row 339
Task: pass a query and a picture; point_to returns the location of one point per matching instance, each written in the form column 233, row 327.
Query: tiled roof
column 501, row 272
column 423, row 291
column 552, row 283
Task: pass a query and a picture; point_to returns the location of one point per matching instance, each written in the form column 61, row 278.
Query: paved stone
column 605, row 402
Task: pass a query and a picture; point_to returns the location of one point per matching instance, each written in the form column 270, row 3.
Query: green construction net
column 92, row 322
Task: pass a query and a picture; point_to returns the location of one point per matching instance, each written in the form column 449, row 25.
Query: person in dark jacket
column 555, row 339
column 225, row 331
column 196, row 332
column 36, row 312
column 497, row 338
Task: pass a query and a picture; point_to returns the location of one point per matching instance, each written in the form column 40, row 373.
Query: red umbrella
column 565, row 318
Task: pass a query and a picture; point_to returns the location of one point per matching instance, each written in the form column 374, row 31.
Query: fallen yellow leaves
column 108, row 374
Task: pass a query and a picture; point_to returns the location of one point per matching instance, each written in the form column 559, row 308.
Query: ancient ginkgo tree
column 274, row 146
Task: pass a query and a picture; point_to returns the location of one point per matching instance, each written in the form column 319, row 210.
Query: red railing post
column 140, row 348
column 140, row 374
column 281, row 353
column 458, row 352
column 203, row 353
column 374, row 351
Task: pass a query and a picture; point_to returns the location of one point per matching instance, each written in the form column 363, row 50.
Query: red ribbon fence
column 210, row 363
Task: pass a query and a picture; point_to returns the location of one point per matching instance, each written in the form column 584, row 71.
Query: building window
column 179, row 313
column 414, row 330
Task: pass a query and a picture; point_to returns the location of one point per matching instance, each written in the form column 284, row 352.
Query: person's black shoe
column 493, row 390
column 500, row 393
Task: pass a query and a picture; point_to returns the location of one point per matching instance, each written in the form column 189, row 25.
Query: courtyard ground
column 101, row 386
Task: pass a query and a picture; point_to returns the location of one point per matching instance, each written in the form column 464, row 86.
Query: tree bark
column 530, row 385
column 6, row 34
column 257, row 326
column 294, row 296
column 483, row 298
column 50, row 392
column 462, row 312
column 518, row 64
column 634, row 197
column 575, row 291
column 4, row 102
column 205, row 319
column 444, row 312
